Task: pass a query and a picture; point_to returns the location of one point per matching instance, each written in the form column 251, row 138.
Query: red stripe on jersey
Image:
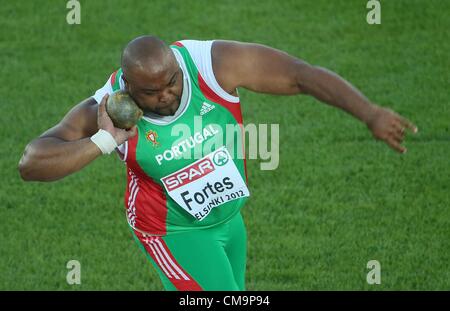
column 150, row 201
column 243, row 151
column 177, row 43
column 113, row 78
column 233, row 108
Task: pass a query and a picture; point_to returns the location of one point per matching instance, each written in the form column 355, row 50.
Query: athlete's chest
column 203, row 127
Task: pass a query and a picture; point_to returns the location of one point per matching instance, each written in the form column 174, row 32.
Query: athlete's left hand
column 390, row 127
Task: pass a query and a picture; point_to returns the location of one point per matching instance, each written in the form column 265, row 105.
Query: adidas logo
column 206, row 108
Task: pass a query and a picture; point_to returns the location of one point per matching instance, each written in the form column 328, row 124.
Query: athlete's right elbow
column 24, row 167
column 23, row 171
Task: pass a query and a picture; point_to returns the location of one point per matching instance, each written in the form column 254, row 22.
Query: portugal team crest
column 152, row 136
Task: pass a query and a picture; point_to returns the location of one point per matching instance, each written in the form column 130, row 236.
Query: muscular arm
column 63, row 149
column 266, row 70
column 67, row 148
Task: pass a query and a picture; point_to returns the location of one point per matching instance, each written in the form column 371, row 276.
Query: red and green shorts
column 204, row 259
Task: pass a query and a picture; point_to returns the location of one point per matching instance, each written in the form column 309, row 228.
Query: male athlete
column 185, row 191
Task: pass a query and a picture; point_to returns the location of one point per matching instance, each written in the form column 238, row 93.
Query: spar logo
column 188, row 174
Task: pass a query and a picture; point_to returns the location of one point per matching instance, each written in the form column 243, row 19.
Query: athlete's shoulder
column 116, row 80
column 191, row 42
column 114, row 83
column 202, row 54
column 197, row 49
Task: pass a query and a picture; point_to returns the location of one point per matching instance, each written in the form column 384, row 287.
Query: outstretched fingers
column 398, row 133
column 405, row 123
column 395, row 144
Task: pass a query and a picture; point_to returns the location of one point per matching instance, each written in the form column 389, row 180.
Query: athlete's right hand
column 104, row 122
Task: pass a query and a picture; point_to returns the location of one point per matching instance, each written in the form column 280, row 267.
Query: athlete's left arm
column 266, row 70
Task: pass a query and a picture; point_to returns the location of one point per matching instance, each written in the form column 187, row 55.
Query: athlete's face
column 158, row 91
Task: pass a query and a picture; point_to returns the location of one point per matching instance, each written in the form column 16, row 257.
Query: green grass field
column 338, row 198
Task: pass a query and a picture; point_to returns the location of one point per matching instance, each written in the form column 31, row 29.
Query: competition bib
column 207, row 183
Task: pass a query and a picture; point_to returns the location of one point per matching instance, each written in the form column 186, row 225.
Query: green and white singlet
column 186, row 171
